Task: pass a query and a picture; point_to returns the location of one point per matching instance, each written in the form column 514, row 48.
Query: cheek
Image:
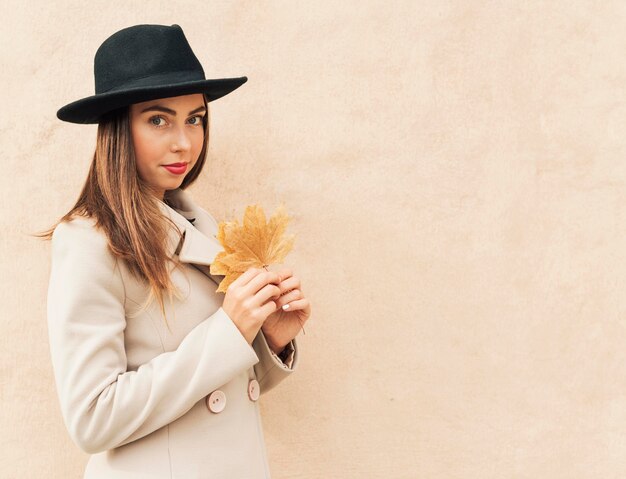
column 197, row 144
column 146, row 148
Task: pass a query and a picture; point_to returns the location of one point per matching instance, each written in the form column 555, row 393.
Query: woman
column 165, row 390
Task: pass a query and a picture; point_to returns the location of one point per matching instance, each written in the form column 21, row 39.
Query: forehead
column 183, row 103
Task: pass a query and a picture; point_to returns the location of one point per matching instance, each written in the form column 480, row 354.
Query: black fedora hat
column 142, row 63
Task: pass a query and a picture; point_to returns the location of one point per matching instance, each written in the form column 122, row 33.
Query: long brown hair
column 125, row 207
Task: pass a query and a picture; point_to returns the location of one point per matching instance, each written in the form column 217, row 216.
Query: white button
column 216, row 401
column 254, row 390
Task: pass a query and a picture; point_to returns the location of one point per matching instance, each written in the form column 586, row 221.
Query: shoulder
column 79, row 228
column 80, row 237
column 84, row 273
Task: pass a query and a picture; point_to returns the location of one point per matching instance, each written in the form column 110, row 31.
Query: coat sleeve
column 102, row 403
column 270, row 370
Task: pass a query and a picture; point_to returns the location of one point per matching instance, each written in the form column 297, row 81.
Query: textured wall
column 457, row 178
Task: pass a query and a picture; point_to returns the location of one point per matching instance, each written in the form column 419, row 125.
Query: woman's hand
column 248, row 300
column 282, row 326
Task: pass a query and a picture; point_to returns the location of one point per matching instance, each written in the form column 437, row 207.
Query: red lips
column 176, row 168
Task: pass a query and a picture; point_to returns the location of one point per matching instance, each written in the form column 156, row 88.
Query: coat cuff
column 270, row 370
column 286, row 355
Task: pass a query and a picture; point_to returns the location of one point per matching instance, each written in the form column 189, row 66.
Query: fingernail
column 285, row 306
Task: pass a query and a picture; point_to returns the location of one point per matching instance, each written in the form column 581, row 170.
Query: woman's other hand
column 281, row 326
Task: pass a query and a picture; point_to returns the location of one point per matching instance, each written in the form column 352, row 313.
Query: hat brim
column 89, row 110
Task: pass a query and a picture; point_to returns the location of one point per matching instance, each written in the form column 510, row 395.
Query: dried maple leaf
column 257, row 243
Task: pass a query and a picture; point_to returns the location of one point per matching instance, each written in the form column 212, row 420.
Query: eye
column 199, row 120
column 158, row 117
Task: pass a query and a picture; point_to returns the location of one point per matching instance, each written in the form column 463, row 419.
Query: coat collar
column 199, row 244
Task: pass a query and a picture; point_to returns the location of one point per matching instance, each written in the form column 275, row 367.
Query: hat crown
column 144, row 51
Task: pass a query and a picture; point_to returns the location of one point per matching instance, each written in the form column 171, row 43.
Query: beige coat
column 144, row 401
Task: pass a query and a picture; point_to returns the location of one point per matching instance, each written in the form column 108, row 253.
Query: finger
column 285, row 273
column 268, row 292
column 299, row 304
column 260, row 280
column 291, row 283
column 268, row 308
column 286, row 298
column 245, row 278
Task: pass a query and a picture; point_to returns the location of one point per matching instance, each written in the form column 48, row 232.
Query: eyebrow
column 170, row 111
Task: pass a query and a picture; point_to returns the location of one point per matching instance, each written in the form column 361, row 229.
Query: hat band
column 160, row 80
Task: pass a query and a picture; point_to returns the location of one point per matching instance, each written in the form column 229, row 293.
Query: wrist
column 276, row 349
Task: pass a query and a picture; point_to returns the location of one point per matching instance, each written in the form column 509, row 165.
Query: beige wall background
column 456, row 173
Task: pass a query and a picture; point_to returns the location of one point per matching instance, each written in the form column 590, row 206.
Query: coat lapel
column 199, row 244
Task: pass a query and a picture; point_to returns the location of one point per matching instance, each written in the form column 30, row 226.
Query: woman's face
column 167, row 131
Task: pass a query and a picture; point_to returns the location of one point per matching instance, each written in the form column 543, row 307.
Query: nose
column 180, row 140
